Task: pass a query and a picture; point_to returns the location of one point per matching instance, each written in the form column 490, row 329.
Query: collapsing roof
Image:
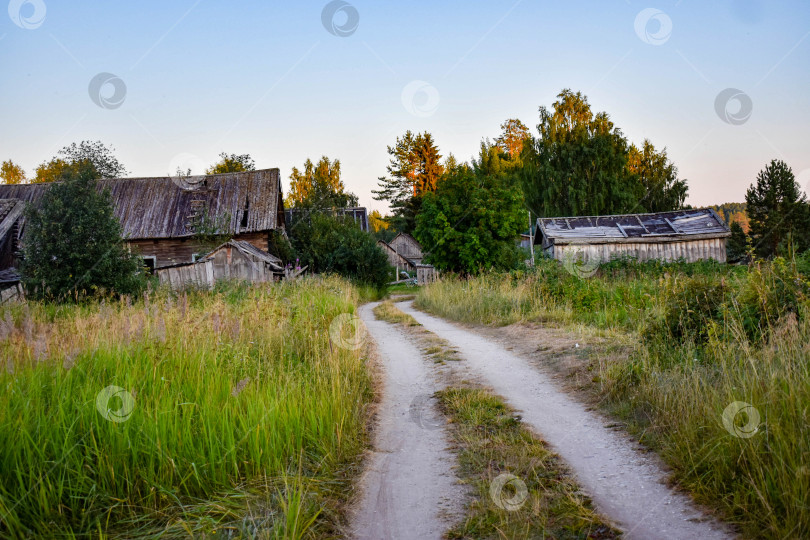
column 166, row 207
column 659, row 227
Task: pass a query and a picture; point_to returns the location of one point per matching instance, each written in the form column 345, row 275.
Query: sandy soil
column 409, row 489
column 626, row 483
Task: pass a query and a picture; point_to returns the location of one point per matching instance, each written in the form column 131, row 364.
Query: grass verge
column 227, row 412
column 520, row 487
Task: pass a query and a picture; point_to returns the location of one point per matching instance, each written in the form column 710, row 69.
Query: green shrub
column 73, row 247
column 770, row 293
column 335, row 244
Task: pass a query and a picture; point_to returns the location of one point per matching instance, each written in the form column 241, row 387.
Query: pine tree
column 777, row 210
column 414, row 169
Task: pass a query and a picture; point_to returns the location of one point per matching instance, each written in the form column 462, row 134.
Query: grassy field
column 225, row 414
column 716, row 376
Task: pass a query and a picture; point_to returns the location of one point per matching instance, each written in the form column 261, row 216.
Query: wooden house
column 163, row 217
column 403, row 252
column 691, row 235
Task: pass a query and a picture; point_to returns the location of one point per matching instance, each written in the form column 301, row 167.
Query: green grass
column 492, row 442
column 701, row 337
column 245, row 418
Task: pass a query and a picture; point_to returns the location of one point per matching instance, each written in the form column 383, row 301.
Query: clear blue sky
column 268, row 79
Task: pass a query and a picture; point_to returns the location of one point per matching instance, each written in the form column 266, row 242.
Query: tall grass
column 245, row 416
column 706, row 336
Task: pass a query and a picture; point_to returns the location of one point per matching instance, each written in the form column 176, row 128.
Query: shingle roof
column 681, row 224
column 164, row 207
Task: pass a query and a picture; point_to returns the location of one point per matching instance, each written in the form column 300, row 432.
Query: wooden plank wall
column 227, row 263
column 690, row 250
column 169, row 251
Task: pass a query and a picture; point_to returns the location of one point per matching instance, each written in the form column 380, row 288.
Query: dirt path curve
column 408, row 489
column 626, row 484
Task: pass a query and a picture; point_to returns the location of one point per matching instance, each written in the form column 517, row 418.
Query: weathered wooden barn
column 235, row 259
column 403, row 251
column 691, row 235
column 163, row 217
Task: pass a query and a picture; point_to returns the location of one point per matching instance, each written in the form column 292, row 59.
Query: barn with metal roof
column 691, row 235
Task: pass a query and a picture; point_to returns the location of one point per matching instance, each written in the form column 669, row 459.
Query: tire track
column 408, row 489
column 625, row 483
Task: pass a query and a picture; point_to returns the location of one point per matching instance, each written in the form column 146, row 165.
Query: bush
column 73, row 247
column 691, row 307
column 770, row 293
column 336, row 244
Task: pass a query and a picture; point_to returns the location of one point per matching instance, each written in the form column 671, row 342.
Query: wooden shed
column 161, row 216
column 691, row 235
column 403, row 252
column 235, row 259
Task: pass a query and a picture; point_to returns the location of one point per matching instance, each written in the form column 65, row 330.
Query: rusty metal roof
column 165, row 207
column 663, row 226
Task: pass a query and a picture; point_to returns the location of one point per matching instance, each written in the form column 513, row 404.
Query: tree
column 231, row 163
column 472, row 219
column 737, row 245
column 73, row 245
column 777, row 210
column 381, row 226
column 663, row 191
column 97, row 153
column 51, row 171
column 580, row 165
column 11, row 173
column 513, row 135
column 318, row 187
column 414, row 169
column 336, row 244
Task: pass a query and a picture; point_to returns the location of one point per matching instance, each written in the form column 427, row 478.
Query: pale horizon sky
column 287, row 81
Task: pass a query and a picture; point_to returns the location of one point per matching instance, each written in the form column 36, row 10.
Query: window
column 150, row 262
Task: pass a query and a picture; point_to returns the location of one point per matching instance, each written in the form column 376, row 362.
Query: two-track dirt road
column 411, row 473
column 409, row 489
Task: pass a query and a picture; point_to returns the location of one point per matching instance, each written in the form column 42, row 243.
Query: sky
column 722, row 85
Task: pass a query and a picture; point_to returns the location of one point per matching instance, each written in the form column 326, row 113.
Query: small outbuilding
column 691, row 235
column 235, row 259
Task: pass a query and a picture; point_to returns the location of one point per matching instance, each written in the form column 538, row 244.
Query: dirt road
column 626, row 484
column 409, row 489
